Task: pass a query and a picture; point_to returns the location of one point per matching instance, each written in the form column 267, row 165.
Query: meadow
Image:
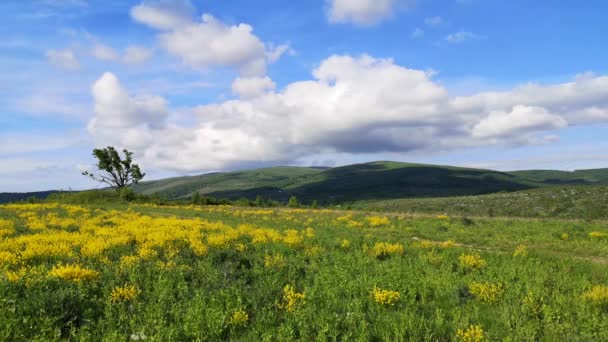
column 137, row 272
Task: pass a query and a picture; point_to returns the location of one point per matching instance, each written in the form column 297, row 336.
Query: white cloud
column 360, row 12
column 433, row 21
column 273, row 53
column 213, row 43
column 352, row 106
column 209, row 42
column 104, row 52
column 417, row 33
column 164, row 14
column 462, row 36
column 252, row 87
column 136, row 54
column 64, row 59
column 116, row 110
column 521, row 119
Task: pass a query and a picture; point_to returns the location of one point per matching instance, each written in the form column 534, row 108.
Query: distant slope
column 376, row 180
column 233, row 182
column 6, row 197
column 382, row 183
column 588, row 202
column 582, row 177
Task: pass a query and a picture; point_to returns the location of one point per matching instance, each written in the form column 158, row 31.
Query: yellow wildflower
column 291, row 299
column 443, row 217
column 377, row 221
column 487, row 292
column 382, row 250
column 239, row 317
column 345, row 244
column 15, row 276
column 309, row 233
column 73, row 272
column 241, row 247
column 7, row 258
column 129, row 260
column 473, row 333
column 597, row 235
column 124, row 294
column 385, row 297
column 274, row 260
column 471, row 261
column 597, row 295
column 521, row 251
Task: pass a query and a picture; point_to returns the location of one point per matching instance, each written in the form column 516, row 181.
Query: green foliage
column 259, row 201
column 314, row 204
column 293, row 202
column 126, row 194
column 196, row 198
column 117, row 172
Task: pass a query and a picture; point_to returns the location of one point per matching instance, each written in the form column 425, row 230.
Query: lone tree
column 118, row 173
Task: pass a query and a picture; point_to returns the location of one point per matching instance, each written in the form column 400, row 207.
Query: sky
column 208, row 85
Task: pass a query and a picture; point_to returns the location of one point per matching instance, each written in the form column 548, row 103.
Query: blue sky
column 207, row 85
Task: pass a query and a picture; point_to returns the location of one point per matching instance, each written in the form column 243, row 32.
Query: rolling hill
column 364, row 182
column 6, row 197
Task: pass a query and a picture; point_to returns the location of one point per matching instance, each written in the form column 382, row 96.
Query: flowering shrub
column 377, row 221
column 382, row 250
column 487, row 292
column 124, row 294
column 473, row 333
column 239, row 318
column 291, row 299
column 73, row 273
column 521, row 251
column 385, row 297
column 471, row 261
column 598, row 295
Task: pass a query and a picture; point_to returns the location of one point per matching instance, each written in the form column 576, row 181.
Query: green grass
column 185, row 296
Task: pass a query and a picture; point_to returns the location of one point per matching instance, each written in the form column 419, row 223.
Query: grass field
column 144, row 272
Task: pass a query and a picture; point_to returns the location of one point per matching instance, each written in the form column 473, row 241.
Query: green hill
column 589, row 202
column 366, row 182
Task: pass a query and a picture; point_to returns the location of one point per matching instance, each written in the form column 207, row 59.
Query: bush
column 126, row 194
column 293, row 202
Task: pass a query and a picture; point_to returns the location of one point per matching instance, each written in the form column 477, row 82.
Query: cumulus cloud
column 136, row 54
column 360, row 12
column 519, row 120
column 252, row 86
column 209, row 42
column 118, row 113
column 64, row 59
column 213, row 43
column 351, row 105
column 164, row 14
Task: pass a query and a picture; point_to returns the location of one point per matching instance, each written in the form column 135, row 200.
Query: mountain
column 6, row 197
column 381, row 180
